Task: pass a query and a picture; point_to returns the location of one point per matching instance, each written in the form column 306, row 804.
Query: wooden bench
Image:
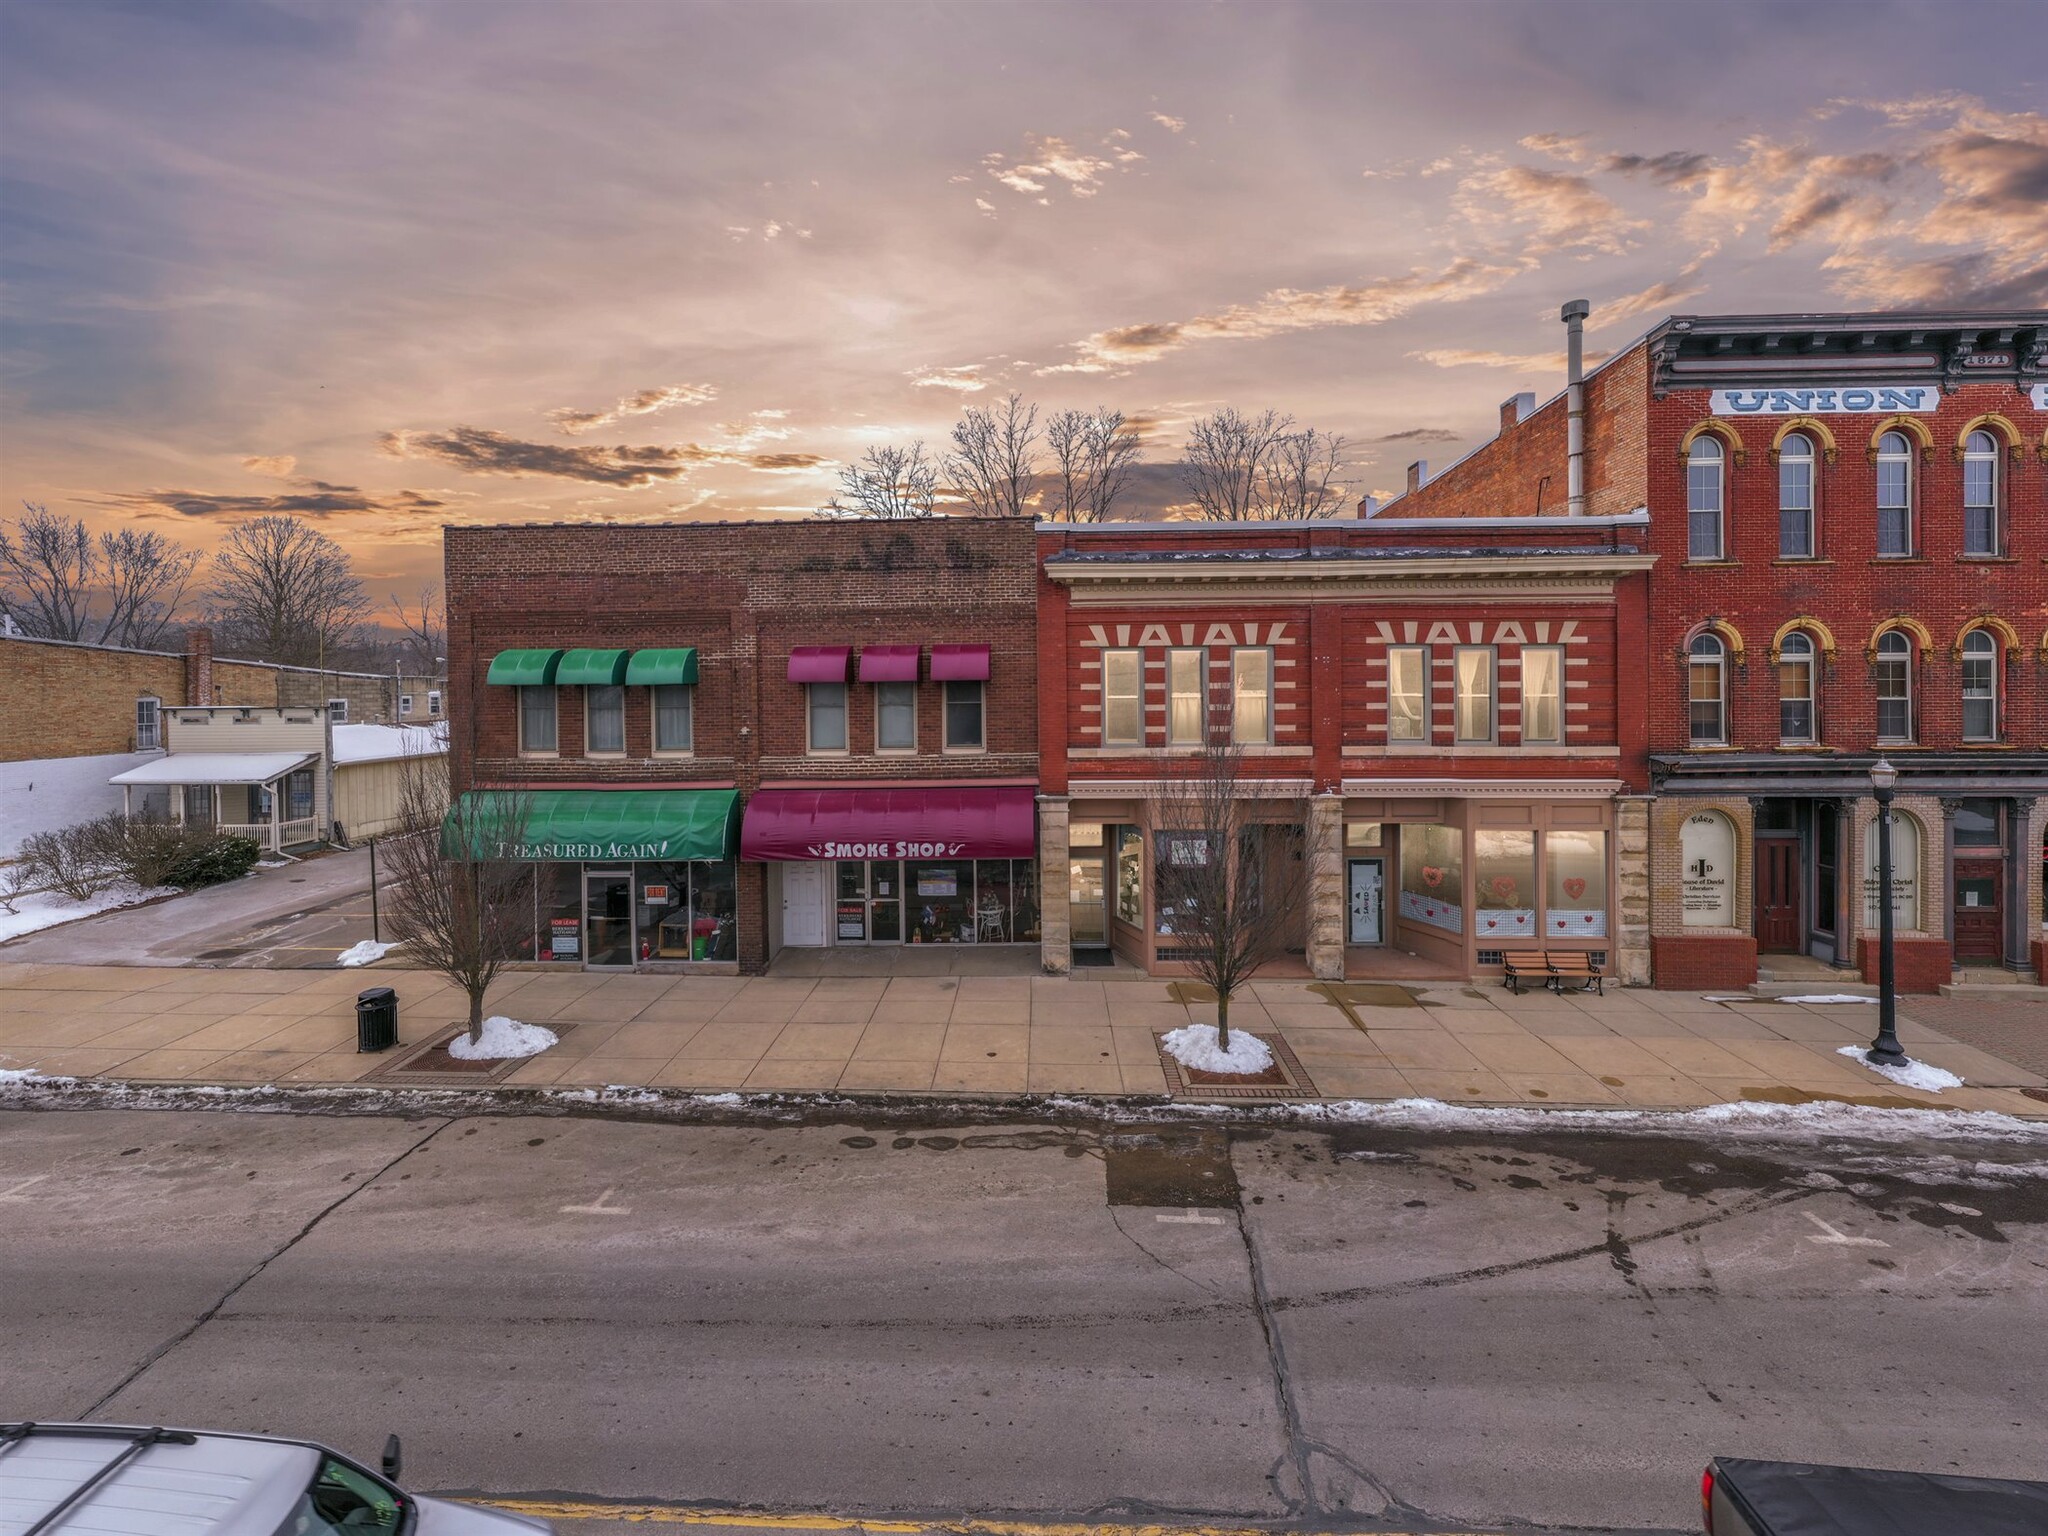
column 1520, row 965
column 1575, row 965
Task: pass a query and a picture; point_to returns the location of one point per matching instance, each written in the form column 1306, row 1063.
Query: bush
column 148, row 848
column 74, row 861
column 214, row 860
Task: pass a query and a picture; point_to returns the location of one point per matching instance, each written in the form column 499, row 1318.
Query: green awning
column 592, row 669
column 598, row 825
column 524, row 669
column 650, row 668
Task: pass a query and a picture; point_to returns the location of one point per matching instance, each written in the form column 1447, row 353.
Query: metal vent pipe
column 1574, row 317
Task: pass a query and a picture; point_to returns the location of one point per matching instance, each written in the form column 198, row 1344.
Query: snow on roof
column 386, row 743
column 216, row 768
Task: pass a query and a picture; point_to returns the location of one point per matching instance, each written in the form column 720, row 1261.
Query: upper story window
column 1981, row 522
column 404, row 704
column 895, row 717
column 337, row 711
column 1474, row 666
column 1542, row 693
column 433, row 703
column 604, row 721
column 1795, row 689
column 675, row 717
column 1407, row 693
column 1123, row 715
column 1980, row 686
column 1187, row 697
column 1705, row 499
column 149, row 724
column 1795, row 497
column 1707, row 690
column 1892, row 680
column 1894, row 494
column 966, row 722
column 537, row 719
column 1251, row 695
column 825, row 716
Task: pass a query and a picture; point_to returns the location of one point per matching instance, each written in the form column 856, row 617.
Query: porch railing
column 288, row 832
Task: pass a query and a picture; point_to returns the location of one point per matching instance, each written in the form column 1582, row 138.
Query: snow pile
column 1195, row 1046
column 503, row 1039
column 368, row 952
column 1908, row 1073
column 1826, row 997
column 47, row 794
column 46, row 909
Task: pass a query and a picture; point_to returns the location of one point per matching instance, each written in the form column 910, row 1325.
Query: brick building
column 1436, row 730
column 1850, row 514
column 732, row 737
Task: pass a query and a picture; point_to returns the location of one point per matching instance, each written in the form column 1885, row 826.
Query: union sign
column 1861, row 400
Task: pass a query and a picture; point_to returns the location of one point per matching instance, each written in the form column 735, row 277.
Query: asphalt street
column 1362, row 1328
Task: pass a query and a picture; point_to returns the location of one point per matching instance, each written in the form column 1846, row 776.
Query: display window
column 1576, row 880
column 1504, row 885
column 1433, row 876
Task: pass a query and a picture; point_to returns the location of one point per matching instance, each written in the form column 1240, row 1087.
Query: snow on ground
column 1195, row 1046
column 503, row 1038
column 1908, row 1073
column 367, row 952
column 1826, row 997
column 46, row 794
column 46, row 909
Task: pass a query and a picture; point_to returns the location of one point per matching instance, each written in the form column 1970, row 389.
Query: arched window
column 1981, row 531
column 1894, row 494
column 1894, row 686
column 1980, row 686
column 1707, row 690
column 1705, row 498
column 1795, row 688
column 1795, row 497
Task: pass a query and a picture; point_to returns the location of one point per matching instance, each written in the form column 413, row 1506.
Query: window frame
column 655, row 745
column 1555, row 738
column 590, row 700
column 1458, row 695
column 1989, row 661
column 1707, row 452
column 1198, row 657
column 1805, row 663
column 337, row 711
column 529, row 694
column 1238, row 695
column 153, row 727
column 404, row 705
column 1695, row 660
column 1807, row 455
column 1900, row 656
column 1986, row 456
column 433, row 703
column 881, row 703
column 1424, row 720
column 1903, row 458
column 812, row 702
column 1135, row 698
column 980, row 697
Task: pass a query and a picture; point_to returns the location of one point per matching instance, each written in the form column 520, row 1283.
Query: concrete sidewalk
column 986, row 1035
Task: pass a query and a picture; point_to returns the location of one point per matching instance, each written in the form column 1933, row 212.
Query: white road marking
column 1829, row 1235
column 1191, row 1219
column 16, row 1192
column 598, row 1207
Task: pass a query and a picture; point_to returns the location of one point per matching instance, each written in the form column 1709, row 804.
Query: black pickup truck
column 1787, row 1498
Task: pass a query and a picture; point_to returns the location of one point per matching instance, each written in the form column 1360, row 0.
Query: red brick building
column 1437, row 728
column 1850, row 515
column 739, row 736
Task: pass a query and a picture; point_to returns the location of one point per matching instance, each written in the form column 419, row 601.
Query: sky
column 392, row 264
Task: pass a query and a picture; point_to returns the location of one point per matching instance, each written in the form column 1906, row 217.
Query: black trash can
column 376, row 1019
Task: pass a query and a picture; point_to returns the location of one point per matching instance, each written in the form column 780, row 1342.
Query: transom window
column 1893, row 683
column 1980, row 686
column 1707, row 690
column 1542, row 693
column 1981, row 531
column 1123, row 715
column 1795, row 497
column 1407, row 693
column 1894, row 494
column 1251, row 695
column 1705, row 499
column 1795, row 689
column 1475, row 693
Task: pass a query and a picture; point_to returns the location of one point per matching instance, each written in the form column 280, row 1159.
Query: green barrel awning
column 592, row 669
column 598, row 825
column 524, row 669
column 678, row 664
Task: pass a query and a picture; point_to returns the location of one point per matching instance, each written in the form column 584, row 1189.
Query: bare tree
column 994, row 454
column 461, row 898
column 1092, row 456
column 1297, row 475
column 146, row 576
column 1224, row 465
column 422, row 629
column 60, row 583
column 888, row 482
column 283, row 591
column 1230, row 884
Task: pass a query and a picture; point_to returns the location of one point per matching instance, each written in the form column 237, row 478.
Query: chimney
column 199, row 666
column 1574, row 317
column 1368, row 505
column 1418, row 474
column 1517, row 410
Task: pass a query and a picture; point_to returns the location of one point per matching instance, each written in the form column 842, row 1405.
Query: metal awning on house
column 595, row 825
column 217, row 768
column 819, row 663
column 892, row 822
column 592, row 669
column 657, row 668
column 959, row 663
column 524, row 669
column 888, row 663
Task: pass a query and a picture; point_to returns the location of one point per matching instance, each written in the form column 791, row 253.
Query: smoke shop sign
column 1860, row 400
column 885, row 850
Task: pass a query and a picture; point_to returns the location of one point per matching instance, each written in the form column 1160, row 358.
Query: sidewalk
column 975, row 1034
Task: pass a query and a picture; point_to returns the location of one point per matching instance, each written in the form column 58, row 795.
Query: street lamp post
column 1885, row 1050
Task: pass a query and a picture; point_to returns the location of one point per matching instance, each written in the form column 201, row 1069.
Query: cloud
column 1560, row 210
column 1519, row 362
column 275, row 466
column 1675, row 168
column 574, row 422
column 1048, row 159
column 480, row 451
column 309, row 498
column 1660, row 296
column 1170, row 124
column 1285, row 310
column 966, row 378
column 1559, row 146
column 1422, row 435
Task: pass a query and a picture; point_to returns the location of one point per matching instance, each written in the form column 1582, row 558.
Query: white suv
column 121, row 1480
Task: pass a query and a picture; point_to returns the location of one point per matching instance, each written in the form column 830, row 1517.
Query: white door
column 1366, row 879
column 803, row 905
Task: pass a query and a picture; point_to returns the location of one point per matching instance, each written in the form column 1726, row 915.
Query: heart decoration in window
column 1432, row 875
column 1575, row 888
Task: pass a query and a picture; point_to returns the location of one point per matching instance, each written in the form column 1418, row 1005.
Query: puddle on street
column 1171, row 1169
column 1366, row 994
column 1783, row 1095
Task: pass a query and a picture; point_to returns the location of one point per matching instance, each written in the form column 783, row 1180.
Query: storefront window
column 661, row 907
column 1130, row 875
column 941, row 899
column 1504, row 893
column 559, row 902
column 1433, row 876
column 1177, row 851
column 714, row 909
column 1576, row 877
column 992, row 901
column 1905, row 873
column 1024, row 901
column 1362, row 834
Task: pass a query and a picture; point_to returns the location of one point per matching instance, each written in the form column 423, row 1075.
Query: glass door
column 850, row 908
column 885, row 902
column 608, row 918
column 1085, row 913
column 1367, row 882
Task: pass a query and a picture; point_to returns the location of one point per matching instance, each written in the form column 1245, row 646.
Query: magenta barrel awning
column 819, row 663
column 888, row 663
column 959, row 663
column 896, row 822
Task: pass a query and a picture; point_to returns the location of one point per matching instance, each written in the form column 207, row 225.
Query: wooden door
column 803, row 905
column 1980, row 909
column 1777, row 895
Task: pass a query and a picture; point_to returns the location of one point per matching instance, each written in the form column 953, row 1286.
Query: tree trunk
column 1222, row 1021
column 476, row 1014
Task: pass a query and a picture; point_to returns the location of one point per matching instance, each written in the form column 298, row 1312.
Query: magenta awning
column 908, row 822
column 819, row 663
column 888, row 663
column 959, row 663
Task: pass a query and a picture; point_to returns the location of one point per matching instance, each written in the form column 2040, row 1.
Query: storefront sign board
column 1706, row 845
column 1856, row 400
